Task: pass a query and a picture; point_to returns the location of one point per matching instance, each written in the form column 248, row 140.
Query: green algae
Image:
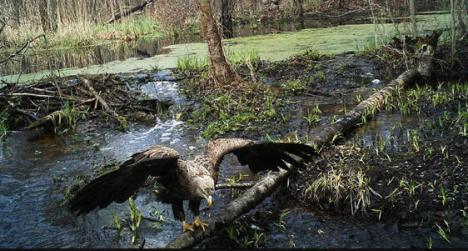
column 271, row 47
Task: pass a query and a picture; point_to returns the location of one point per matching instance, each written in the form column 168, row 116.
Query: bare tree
column 220, row 69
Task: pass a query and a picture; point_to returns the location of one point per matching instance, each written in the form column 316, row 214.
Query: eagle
column 193, row 180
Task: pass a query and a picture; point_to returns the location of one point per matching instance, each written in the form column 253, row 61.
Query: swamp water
column 32, row 175
column 31, row 190
column 147, row 53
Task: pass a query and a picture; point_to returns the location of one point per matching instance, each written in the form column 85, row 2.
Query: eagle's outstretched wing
column 122, row 183
column 261, row 156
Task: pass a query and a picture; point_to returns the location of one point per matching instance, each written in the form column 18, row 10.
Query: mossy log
column 263, row 188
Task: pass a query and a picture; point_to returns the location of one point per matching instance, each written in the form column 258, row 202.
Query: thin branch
column 22, row 50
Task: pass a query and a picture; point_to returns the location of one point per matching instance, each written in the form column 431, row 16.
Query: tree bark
column 220, row 69
column 262, row 189
column 52, row 14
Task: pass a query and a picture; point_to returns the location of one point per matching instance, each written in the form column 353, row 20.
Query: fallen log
column 130, row 11
column 263, row 188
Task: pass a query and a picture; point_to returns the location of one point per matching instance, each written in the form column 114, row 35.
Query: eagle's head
column 205, row 188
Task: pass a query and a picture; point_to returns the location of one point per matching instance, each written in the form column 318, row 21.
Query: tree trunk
column 453, row 27
column 412, row 8
column 48, row 14
column 460, row 12
column 52, row 14
column 226, row 9
column 42, row 4
column 220, row 69
column 374, row 21
column 299, row 12
column 253, row 196
column 17, row 12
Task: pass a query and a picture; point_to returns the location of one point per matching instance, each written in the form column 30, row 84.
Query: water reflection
column 42, row 60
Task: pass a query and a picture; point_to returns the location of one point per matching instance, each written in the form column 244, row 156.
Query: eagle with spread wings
column 193, row 180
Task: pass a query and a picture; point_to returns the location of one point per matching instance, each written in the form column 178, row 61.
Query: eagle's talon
column 199, row 223
column 187, row 227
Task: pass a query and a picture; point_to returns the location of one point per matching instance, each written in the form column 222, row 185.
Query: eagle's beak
column 209, row 200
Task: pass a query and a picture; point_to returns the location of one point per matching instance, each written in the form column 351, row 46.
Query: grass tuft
column 339, row 185
column 190, row 64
